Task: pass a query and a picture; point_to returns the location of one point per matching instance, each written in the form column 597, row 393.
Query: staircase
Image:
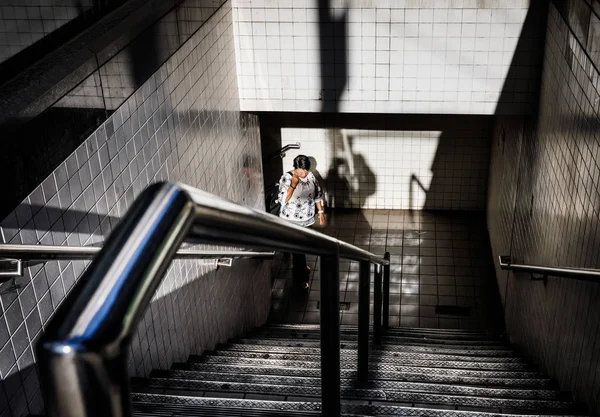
column 275, row 371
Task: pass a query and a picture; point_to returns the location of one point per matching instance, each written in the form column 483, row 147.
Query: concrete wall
column 183, row 124
column 544, row 207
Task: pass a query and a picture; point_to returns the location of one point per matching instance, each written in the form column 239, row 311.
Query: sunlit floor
column 442, row 274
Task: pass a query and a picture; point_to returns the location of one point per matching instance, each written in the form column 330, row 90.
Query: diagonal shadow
column 52, row 225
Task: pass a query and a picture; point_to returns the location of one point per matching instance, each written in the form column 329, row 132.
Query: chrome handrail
column 281, row 153
column 82, row 354
column 555, row 271
column 75, row 253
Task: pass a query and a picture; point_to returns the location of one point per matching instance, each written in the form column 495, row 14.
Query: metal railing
column 281, row 152
column 545, row 271
column 26, row 253
column 12, row 256
column 82, row 354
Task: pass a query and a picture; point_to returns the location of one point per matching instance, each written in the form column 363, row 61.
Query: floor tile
column 438, row 259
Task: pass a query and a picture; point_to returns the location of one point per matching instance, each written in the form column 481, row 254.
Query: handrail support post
column 386, row 292
column 364, row 284
column 330, row 336
column 377, row 305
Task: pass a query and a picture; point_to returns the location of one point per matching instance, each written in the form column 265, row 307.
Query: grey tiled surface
column 544, row 208
column 183, row 125
column 438, row 258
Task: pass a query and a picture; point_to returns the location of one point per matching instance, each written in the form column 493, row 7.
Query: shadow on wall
column 22, row 386
column 439, row 191
column 59, row 26
column 44, row 120
column 526, row 64
column 333, row 49
column 519, row 94
column 314, row 167
column 350, row 181
column 453, row 150
column 64, row 225
column 531, row 42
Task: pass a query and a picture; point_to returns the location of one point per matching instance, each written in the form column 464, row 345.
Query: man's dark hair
column 302, row 162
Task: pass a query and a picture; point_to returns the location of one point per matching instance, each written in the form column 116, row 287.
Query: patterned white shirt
column 301, row 207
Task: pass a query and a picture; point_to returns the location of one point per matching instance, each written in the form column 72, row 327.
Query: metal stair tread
column 359, row 393
column 392, row 340
column 379, row 353
column 489, row 380
column 141, row 409
column 299, row 360
column 265, row 344
column 407, row 330
column 280, row 341
column 276, row 371
column 291, row 406
column 389, row 339
column 400, row 368
column 439, row 388
column 380, row 396
column 346, row 326
column 399, row 330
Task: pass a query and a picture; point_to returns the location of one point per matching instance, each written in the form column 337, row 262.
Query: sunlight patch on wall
column 395, row 169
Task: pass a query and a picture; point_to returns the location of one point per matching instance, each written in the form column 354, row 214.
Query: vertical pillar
column 377, row 305
column 386, row 293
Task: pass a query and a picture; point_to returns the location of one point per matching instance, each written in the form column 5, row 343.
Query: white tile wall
column 544, row 208
column 184, row 125
column 402, row 56
column 387, row 169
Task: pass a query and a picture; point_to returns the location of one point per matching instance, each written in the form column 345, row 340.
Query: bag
column 273, row 204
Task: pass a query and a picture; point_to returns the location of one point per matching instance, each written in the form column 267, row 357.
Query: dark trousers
column 299, row 270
